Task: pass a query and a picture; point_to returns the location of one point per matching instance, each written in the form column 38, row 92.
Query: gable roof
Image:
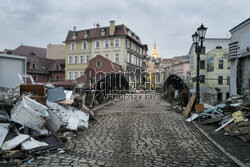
column 24, row 50
column 167, row 60
column 108, row 65
column 94, row 33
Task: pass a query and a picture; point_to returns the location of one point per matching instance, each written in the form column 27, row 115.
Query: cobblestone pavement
column 138, row 133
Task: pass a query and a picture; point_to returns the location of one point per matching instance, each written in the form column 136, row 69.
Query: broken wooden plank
column 244, row 130
column 34, row 89
column 189, row 106
column 211, row 121
column 68, row 102
column 14, row 154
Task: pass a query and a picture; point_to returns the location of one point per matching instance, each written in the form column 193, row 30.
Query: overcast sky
column 169, row 23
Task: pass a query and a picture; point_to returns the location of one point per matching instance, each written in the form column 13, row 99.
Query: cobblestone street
column 137, row 133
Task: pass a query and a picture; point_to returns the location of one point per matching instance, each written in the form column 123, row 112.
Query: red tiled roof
column 117, row 67
column 166, row 60
column 120, row 30
column 80, row 79
column 24, row 50
column 64, row 82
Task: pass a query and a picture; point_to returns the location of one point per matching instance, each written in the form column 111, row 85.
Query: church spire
column 155, row 46
column 155, row 53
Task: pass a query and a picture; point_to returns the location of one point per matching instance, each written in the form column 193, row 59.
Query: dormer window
column 33, row 65
column 102, row 32
column 85, row 35
column 74, row 35
column 57, row 66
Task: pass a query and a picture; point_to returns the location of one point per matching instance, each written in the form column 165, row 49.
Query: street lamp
column 198, row 38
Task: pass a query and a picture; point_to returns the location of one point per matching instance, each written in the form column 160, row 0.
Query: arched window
column 98, row 64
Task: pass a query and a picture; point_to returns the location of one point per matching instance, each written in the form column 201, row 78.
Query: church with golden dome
column 151, row 64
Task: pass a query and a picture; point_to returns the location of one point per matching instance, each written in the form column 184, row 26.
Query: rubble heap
column 38, row 118
column 232, row 116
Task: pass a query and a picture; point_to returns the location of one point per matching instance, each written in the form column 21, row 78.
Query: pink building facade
column 181, row 68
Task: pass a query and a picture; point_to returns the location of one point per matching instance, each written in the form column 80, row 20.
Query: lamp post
column 198, row 39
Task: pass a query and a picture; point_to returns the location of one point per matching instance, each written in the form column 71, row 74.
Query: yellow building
column 214, row 76
column 115, row 42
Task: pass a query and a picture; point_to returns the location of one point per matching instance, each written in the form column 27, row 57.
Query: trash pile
column 38, row 118
column 233, row 116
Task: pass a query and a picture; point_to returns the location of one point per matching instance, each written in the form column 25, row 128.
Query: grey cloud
column 170, row 23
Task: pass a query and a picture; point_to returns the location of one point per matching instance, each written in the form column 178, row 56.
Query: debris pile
column 233, row 116
column 36, row 118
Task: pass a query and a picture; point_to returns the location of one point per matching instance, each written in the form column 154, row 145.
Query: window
column 202, row 78
column 70, row 60
column 81, row 59
column 220, row 80
column 106, row 55
column 117, row 57
column 74, row 35
column 73, row 46
column 117, row 42
column 228, row 80
column 98, row 64
column 84, row 46
column 57, row 66
column 132, row 59
column 35, row 78
column 70, row 75
column 85, row 35
column 75, row 75
column 227, row 95
column 33, row 66
column 97, row 44
column 106, row 44
column 228, row 64
column 102, row 32
column 87, row 59
column 220, row 64
column 76, row 60
column 202, row 64
column 57, row 77
column 218, row 47
column 81, row 73
column 219, row 97
column 203, row 50
column 128, row 58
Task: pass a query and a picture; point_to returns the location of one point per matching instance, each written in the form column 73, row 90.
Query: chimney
column 97, row 25
column 74, row 28
column 112, row 28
